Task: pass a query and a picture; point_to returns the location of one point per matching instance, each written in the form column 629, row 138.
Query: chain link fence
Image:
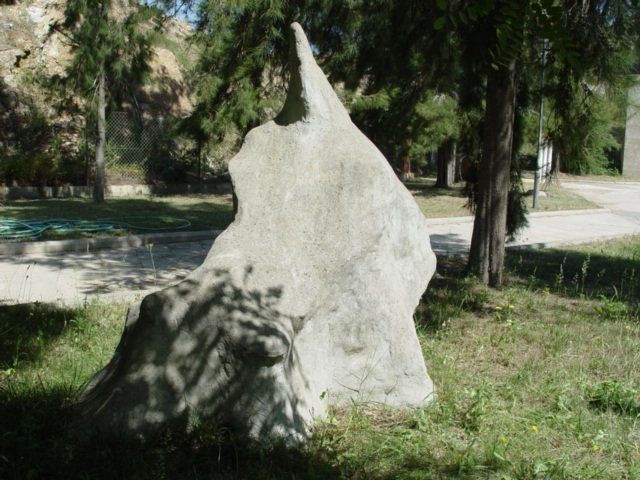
column 131, row 147
column 35, row 150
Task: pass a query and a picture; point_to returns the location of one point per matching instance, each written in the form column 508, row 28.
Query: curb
column 601, row 182
column 464, row 251
column 91, row 244
column 556, row 213
column 568, row 213
column 567, row 243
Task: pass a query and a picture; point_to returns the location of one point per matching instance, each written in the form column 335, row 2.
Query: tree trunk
column 407, row 174
column 446, row 159
column 199, row 159
column 486, row 258
column 554, row 176
column 99, row 183
column 460, row 158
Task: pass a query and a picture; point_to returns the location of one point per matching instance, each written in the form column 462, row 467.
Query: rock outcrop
column 305, row 300
column 33, row 50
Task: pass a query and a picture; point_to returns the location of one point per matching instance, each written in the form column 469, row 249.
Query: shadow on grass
column 612, row 278
column 428, row 465
column 202, row 214
column 25, row 329
column 36, row 443
column 579, row 274
column 450, row 293
column 427, row 189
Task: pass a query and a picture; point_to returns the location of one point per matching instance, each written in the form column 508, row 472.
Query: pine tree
column 110, row 57
column 240, row 73
column 399, row 71
column 592, row 97
column 509, row 25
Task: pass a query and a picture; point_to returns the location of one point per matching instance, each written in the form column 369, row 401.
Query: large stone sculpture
column 305, row 300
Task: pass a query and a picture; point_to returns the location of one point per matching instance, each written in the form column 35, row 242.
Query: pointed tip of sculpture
column 301, row 43
column 310, row 95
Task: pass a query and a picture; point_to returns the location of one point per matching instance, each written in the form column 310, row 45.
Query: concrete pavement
column 546, row 229
column 130, row 273
column 623, row 198
column 74, row 277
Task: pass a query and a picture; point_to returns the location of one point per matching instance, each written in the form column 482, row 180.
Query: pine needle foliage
column 241, row 72
column 587, row 97
column 385, row 75
column 399, row 72
column 411, row 73
column 105, row 36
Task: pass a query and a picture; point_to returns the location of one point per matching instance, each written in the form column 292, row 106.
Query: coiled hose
column 32, row 229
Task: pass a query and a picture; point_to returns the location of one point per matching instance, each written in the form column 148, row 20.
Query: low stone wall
column 69, row 191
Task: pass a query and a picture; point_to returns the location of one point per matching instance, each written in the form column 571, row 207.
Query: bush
column 35, row 154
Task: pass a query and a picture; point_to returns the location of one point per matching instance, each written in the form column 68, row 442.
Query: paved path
column 548, row 229
column 127, row 274
column 622, row 198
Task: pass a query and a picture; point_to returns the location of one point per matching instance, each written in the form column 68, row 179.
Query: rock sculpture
column 305, row 300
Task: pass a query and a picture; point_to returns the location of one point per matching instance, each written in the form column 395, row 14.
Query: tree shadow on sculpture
column 39, row 424
column 225, row 353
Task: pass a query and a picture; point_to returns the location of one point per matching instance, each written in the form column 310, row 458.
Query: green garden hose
column 32, row 229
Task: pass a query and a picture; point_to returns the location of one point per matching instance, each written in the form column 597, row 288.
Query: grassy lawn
column 559, row 199
column 441, row 202
column 540, row 379
column 205, row 212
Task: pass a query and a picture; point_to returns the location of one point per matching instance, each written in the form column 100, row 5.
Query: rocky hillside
column 31, row 49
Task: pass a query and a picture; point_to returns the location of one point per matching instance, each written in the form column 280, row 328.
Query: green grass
column 540, row 379
column 440, row 202
column 204, row 212
column 559, row 199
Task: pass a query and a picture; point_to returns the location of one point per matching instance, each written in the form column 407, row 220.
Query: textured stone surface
column 305, row 300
